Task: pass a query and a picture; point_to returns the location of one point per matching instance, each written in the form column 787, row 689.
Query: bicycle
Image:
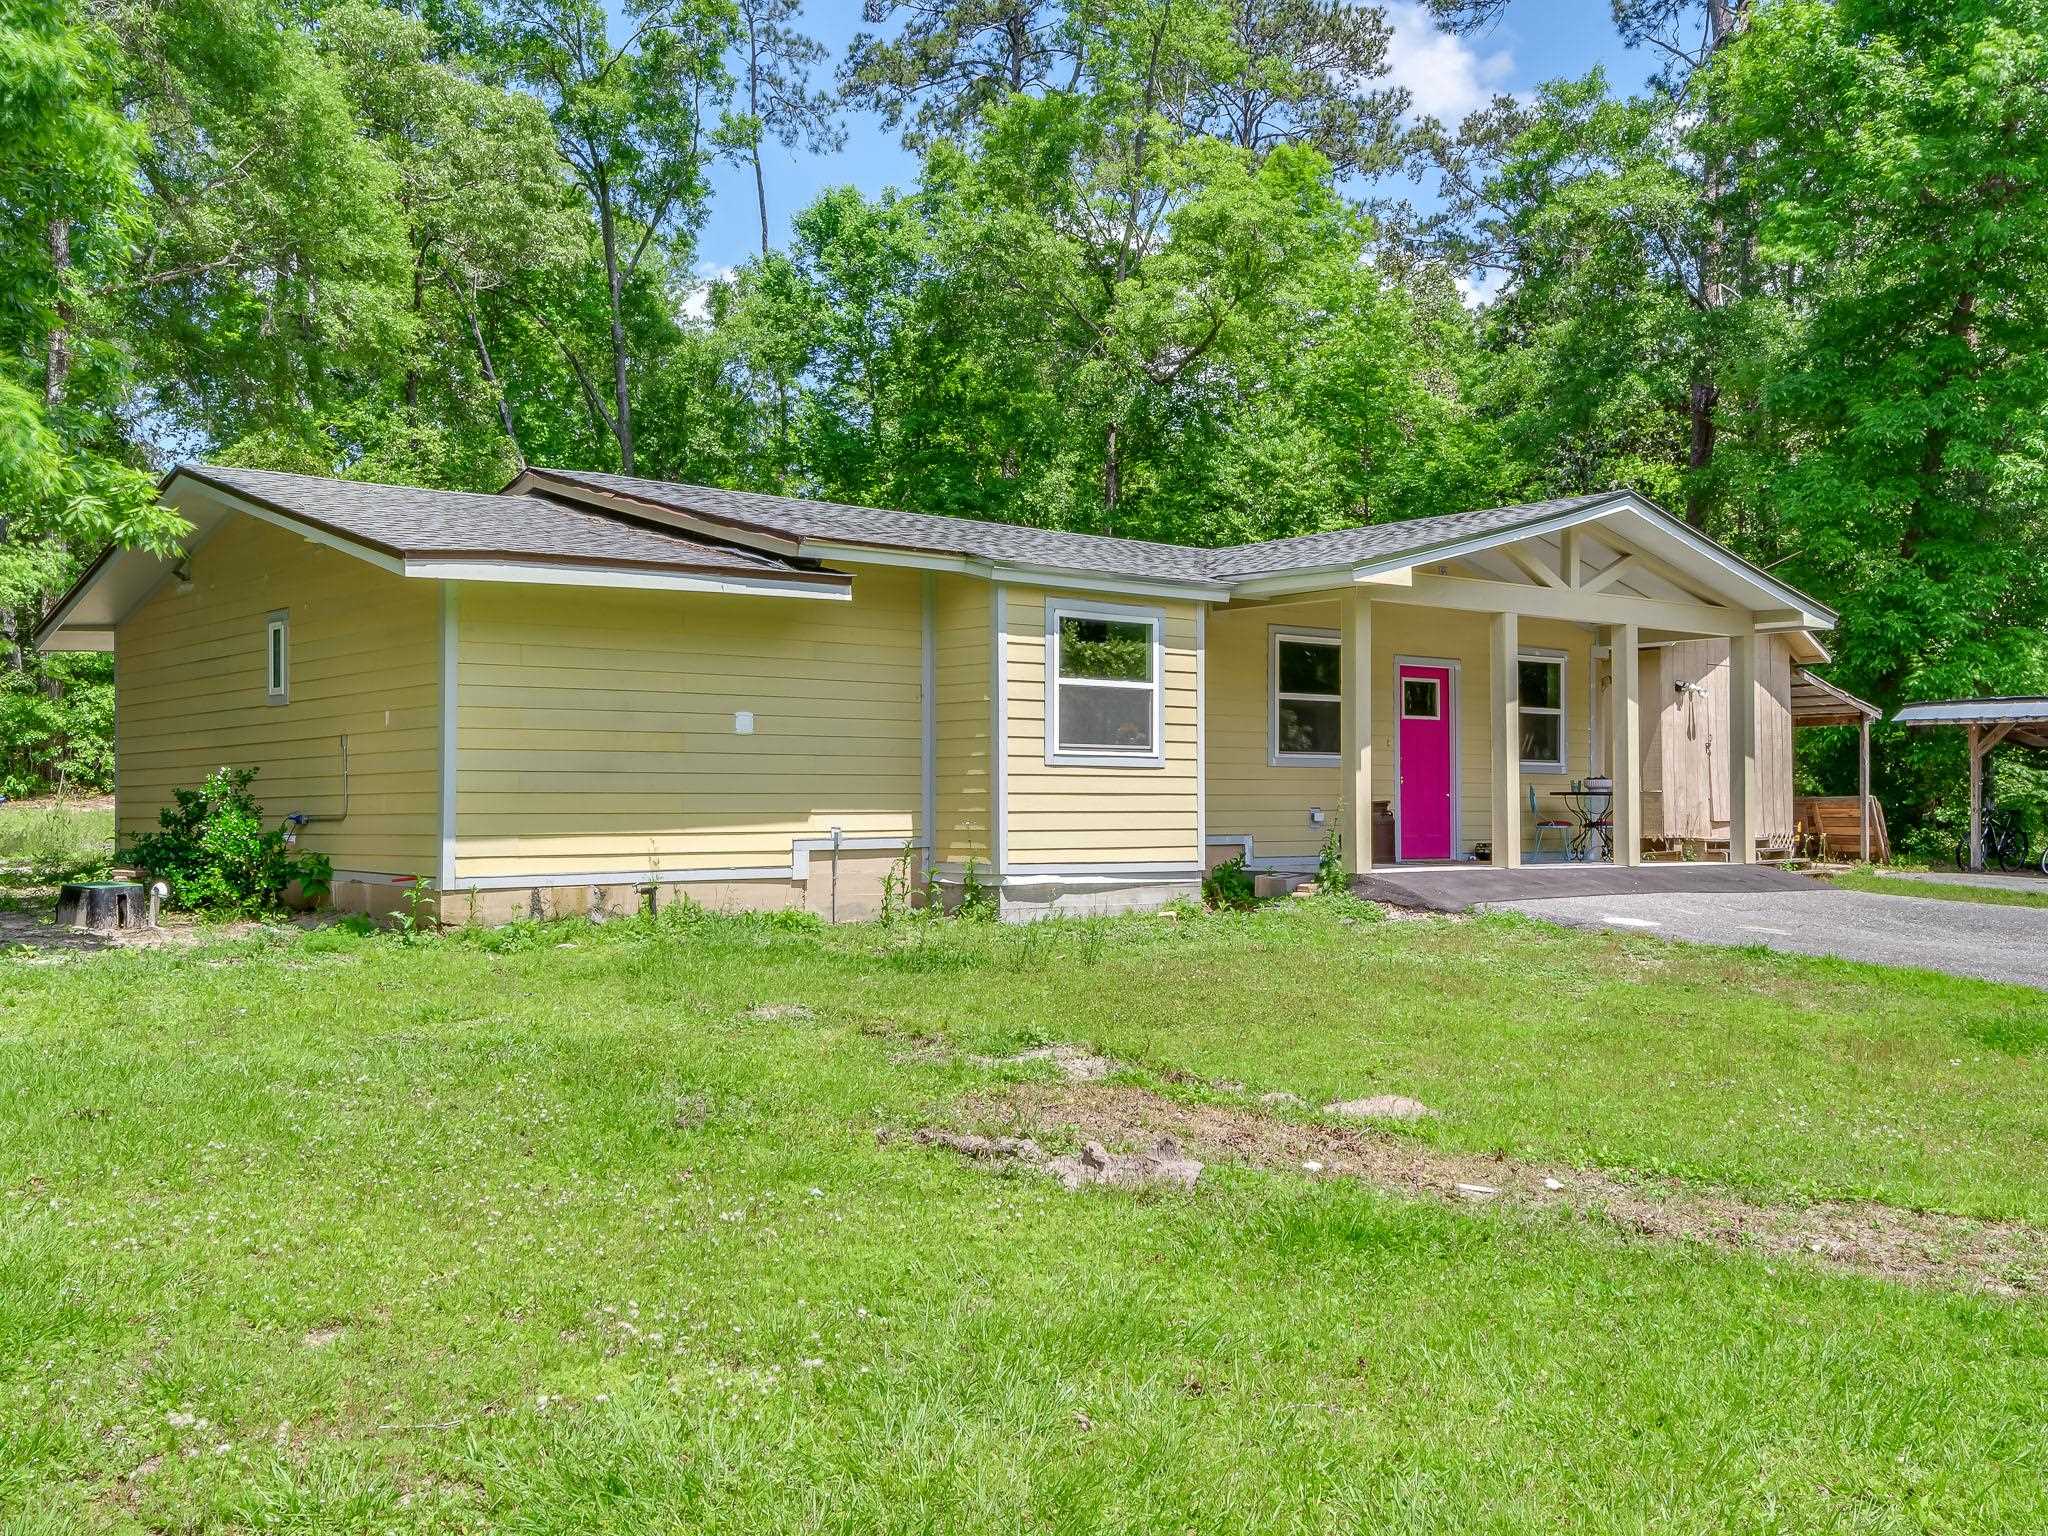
column 2006, row 843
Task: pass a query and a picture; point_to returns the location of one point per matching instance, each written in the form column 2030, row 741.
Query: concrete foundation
column 856, row 895
column 1025, row 901
column 847, row 886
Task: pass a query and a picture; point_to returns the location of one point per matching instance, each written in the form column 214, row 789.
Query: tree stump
column 104, row 906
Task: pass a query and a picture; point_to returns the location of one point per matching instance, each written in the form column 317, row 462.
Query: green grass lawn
column 2030, row 894
column 46, row 841
column 539, row 1231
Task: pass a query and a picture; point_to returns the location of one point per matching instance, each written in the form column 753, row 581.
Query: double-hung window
column 1541, row 681
column 277, row 658
column 1104, row 699
column 1307, row 688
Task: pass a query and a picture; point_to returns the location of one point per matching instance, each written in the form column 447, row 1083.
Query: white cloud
column 697, row 302
column 1445, row 74
column 1480, row 288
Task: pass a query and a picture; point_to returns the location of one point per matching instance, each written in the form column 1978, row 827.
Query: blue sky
column 1539, row 40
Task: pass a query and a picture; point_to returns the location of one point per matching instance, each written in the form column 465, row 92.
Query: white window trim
column 277, row 633
column 1275, row 758
column 1562, row 661
column 1057, row 756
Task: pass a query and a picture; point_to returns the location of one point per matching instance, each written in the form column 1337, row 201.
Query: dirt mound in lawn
column 2006, row 1258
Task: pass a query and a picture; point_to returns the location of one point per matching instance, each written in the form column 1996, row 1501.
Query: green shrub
column 1229, row 886
column 1332, row 878
column 217, row 856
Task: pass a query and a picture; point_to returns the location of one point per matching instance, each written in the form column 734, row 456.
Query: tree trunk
column 760, row 128
column 57, row 354
column 622, row 406
column 1112, row 470
column 1700, row 405
column 483, row 357
column 412, row 362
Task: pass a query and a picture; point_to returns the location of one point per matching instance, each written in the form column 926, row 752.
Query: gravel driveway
column 1964, row 938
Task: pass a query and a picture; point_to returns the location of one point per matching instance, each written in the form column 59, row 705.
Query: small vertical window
column 1308, row 698
column 1541, row 683
column 277, row 658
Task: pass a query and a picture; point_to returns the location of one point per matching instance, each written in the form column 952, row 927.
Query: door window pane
column 1420, row 699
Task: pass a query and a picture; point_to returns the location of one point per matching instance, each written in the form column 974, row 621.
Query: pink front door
column 1422, row 702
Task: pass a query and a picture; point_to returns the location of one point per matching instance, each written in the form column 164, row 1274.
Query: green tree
column 482, row 202
column 1902, row 166
column 633, row 122
column 952, row 61
column 772, row 64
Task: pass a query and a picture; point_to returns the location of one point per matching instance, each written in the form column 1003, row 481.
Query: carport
column 1987, row 722
column 1816, row 701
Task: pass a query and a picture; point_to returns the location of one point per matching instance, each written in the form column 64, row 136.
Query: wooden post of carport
column 1863, row 789
column 1973, row 732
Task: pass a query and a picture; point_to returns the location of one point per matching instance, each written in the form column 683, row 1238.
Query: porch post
column 1507, row 742
column 1356, row 731
column 1742, row 785
column 1625, row 644
column 1863, row 787
column 1976, row 799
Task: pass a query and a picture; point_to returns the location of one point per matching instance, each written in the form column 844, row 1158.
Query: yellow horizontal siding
column 595, row 729
column 1088, row 815
column 1248, row 795
column 962, row 655
column 364, row 662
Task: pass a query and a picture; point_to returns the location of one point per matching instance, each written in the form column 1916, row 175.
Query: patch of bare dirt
column 1070, row 1061
column 2003, row 1257
column 31, row 929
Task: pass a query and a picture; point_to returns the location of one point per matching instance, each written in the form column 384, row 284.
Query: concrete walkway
column 1461, row 887
column 1963, row 938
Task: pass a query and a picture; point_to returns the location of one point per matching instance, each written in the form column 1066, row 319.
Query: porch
column 1449, row 707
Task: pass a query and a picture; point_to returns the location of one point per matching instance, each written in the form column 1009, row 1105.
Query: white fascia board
column 1455, row 549
column 1806, row 613
column 1013, row 574
column 529, row 573
column 1813, row 615
column 1113, row 586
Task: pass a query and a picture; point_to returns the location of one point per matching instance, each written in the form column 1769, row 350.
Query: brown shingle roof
column 409, row 523
column 1097, row 554
column 797, row 517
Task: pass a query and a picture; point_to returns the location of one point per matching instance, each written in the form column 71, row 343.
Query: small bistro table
column 1589, row 810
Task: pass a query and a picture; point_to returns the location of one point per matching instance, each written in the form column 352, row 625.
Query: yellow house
column 590, row 691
